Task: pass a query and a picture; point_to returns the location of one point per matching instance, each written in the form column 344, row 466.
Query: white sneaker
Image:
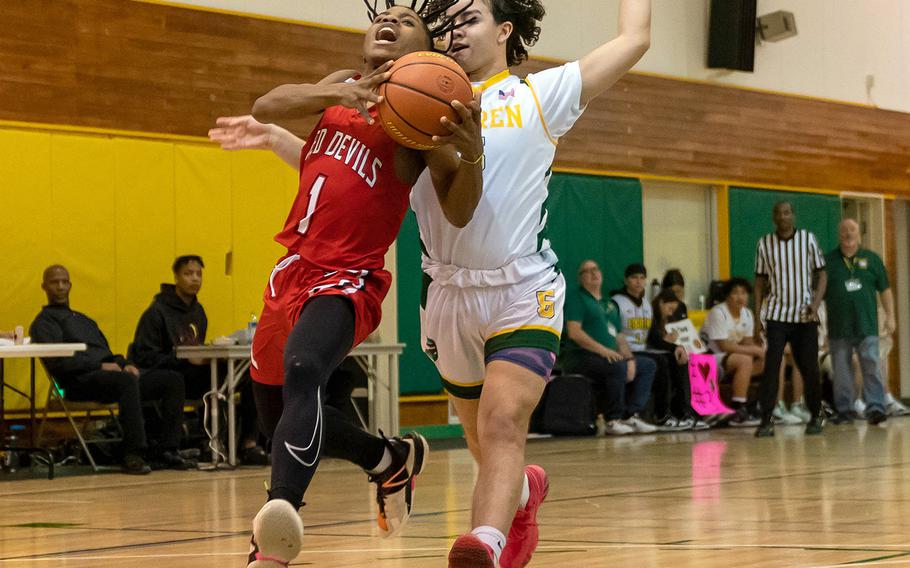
column 617, row 428
column 799, row 410
column 859, row 407
column 687, row 423
column 894, row 407
column 639, row 425
column 277, row 535
column 782, row 416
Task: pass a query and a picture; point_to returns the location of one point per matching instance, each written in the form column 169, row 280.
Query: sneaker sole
column 469, row 552
column 278, row 532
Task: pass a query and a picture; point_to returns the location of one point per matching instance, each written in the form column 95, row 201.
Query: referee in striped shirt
column 787, row 264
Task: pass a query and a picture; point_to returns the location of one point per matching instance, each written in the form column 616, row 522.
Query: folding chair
column 56, row 401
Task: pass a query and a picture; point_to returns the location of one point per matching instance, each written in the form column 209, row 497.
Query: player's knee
column 303, row 371
column 506, row 423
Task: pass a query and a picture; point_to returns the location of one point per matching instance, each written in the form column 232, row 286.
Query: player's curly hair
column 431, row 12
column 525, row 16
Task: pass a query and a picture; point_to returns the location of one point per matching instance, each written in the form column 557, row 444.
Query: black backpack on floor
column 567, row 407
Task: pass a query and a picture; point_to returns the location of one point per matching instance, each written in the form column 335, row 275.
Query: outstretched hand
column 360, row 94
column 466, row 133
column 241, row 133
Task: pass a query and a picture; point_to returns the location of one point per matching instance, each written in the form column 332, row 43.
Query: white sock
column 491, row 537
column 383, row 464
column 739, row 399
column 525, row 492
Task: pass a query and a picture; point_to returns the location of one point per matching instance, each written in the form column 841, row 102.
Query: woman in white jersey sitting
column 728, row 332
column 493, row 312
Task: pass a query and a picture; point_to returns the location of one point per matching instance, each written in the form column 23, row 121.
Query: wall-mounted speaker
column 731, row 35
column 777, row 26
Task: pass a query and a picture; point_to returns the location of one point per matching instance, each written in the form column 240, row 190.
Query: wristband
column 475, row 162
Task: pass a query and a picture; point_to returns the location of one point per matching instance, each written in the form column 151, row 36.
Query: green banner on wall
column 589, row 217
column 750, row 219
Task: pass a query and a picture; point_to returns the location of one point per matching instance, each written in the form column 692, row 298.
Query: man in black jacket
column 176, row 318
column 98, row 375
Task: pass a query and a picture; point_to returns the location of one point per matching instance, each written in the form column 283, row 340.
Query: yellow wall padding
column 116, row 211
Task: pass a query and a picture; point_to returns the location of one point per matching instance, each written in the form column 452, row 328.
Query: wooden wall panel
column 138, row 66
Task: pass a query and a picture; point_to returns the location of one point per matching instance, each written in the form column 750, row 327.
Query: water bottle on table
column 251, row 326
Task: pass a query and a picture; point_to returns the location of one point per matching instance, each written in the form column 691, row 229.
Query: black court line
column 876, row 559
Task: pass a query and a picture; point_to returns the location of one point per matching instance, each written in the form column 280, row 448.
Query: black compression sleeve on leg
column 269, row 404
column 345, row 440
column 320, row 340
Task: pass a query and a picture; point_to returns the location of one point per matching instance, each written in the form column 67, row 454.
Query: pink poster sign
column 703, row 380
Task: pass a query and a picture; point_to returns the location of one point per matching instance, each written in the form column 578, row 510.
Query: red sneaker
column 468, row 551
column 523, row 536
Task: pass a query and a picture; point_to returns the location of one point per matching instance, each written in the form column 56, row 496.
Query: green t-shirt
column 850, row 298
column 599, row 318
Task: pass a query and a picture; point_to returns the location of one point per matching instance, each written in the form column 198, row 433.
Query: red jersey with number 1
column 350, row 204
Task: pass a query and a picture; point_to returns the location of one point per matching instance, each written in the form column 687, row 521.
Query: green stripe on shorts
column 536, row 338
column 471, row 392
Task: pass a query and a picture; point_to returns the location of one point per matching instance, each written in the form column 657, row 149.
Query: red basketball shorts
column 291, row 285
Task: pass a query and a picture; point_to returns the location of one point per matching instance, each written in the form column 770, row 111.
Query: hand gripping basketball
column 418, row 94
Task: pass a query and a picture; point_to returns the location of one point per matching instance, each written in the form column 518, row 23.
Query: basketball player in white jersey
column 493, row 313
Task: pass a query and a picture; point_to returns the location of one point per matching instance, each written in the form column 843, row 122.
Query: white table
column 378, row 360
column 238, row 361
column 31, row 352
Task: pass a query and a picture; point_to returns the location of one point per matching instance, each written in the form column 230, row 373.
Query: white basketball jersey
column 522, row 121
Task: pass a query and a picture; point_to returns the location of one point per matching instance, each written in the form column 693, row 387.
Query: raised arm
column 293, row 102
column 606, row 64
column 247, row 133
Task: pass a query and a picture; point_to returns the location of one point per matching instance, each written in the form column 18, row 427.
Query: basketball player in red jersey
column 324, row 296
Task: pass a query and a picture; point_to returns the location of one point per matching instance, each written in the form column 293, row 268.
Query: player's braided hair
column 431, row 12
column 525, row 16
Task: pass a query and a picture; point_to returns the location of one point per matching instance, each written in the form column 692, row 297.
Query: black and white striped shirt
column 788, row 264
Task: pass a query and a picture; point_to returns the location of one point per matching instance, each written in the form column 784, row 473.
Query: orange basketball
column 418, row 93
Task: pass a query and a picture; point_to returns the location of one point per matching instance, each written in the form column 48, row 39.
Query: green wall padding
column 599, row 218
column 417, row 373
column 750, row 219
column 589, row 217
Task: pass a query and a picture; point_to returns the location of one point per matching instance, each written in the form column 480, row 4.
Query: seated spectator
column 98, row 375
column 596, row 349
column 673, row 280
column 728, row 331
column 636, row 315
column 673, row 362
column 176, row 318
